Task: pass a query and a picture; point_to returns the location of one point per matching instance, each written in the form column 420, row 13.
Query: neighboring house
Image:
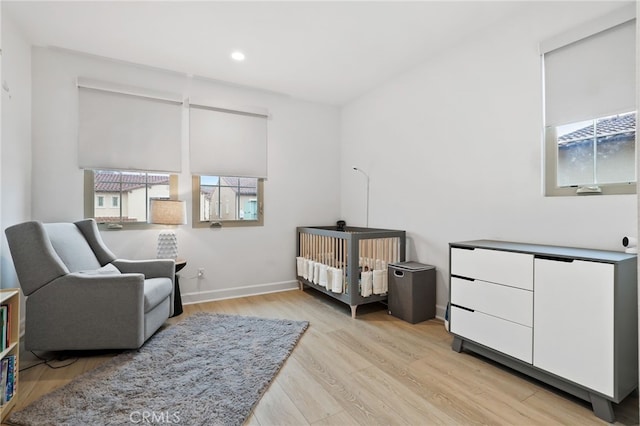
column 232, row 199
column 610, row 160
column 125, row 195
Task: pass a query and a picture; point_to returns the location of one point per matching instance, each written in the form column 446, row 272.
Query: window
column 597, row 152
column 128, row 192
column 590, row 118
column 227, row 201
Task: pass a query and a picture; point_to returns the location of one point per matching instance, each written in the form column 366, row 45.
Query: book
column 4, row 326
column 4, row 367
column 10, row 386
column 8, row 324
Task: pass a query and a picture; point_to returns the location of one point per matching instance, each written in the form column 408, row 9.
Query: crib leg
column 300, row 285
column 353, row 311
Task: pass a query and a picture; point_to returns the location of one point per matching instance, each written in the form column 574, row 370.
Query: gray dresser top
column 547, row 250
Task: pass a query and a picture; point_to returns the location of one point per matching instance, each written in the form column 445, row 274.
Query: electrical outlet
column 200, row 272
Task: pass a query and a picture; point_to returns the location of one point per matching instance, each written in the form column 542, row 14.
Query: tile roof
column 609, row 126
column 247, row 185
column 110, row 181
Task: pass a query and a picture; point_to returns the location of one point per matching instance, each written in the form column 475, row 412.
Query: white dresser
column 563, row 315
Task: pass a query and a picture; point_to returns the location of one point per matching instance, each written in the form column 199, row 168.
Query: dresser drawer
column 505, row 336
column 512, row 304
column 502, row 267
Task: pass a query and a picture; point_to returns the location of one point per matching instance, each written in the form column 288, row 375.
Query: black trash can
column 412, row 291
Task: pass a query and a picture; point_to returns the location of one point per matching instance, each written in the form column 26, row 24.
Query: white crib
column 349, row 265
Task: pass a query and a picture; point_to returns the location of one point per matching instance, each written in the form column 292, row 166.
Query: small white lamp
column 167, row 212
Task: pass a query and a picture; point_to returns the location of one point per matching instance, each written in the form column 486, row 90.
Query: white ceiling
column 329, row 52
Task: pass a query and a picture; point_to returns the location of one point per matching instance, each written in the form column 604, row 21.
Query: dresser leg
column 602, row 408
column 456, row 345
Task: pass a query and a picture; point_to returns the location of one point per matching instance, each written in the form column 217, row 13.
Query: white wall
column 302, row 187
column 15, row 175
column 454, row 150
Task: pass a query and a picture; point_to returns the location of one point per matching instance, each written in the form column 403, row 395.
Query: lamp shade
column 168, row 212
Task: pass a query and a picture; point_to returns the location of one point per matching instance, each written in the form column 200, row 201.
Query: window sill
column 572, row 191
column 131, row 226
column 227, row 224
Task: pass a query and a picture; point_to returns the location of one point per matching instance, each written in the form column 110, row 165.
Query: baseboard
column 233, row 293
column 255, row 290
column 440, row 312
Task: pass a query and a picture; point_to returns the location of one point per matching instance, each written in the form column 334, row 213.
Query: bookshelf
column 11, row 299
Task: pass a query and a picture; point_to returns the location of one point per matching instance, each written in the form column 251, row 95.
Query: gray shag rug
column 209, row 369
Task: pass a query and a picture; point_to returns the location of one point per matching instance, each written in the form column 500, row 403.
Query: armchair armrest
column 130, row 283
column 155, row 268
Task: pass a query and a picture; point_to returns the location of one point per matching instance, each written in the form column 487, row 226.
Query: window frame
column 197, row 223
column 89, row 201
column 551, row 172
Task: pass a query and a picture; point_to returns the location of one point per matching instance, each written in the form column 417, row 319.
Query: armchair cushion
column 72, row 247
column 155, row 291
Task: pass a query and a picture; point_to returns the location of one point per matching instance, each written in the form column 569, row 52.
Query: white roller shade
column 226, row 142
column 592, row 77
column 128, row 129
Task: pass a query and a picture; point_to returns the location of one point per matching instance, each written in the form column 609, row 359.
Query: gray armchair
column 79, row 296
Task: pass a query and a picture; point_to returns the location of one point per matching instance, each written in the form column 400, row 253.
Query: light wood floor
column 376, row 369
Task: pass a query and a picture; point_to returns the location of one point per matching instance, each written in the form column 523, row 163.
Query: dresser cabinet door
column 573, row 321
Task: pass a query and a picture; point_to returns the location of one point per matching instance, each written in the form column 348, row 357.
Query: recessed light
column 237, row 56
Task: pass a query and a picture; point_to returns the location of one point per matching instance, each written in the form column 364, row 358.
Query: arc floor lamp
column 367, row 176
